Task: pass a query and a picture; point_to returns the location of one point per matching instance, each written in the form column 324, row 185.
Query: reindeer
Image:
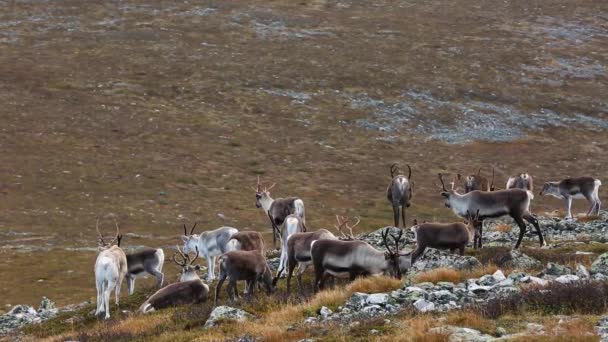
column 292, row 224
column 211, row 244
column 149, row 261
column 278, row 209
column 110, row 270
column 250, row 266
column 249, row 241
column 512, row 202
column 399, row 192
column 521, row 181
column 476, row 182
column 577, row 187
column 189, row 290
column 450, row 236
column 357, row 258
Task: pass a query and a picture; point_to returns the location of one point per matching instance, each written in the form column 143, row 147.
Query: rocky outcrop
column 21, row 315
column 221, row 313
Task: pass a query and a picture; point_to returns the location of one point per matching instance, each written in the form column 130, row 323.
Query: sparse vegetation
column 454, row 276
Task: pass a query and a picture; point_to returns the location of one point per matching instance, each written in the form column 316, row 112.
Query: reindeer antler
column 272, row 186
column 397, row 240
column 343, row 222
column 394, row 168
column 192, row 230
column 99, row 233
column 442, row 183
column 409, row 174
column 118, row 234
column 492, row 184
column 184, row 262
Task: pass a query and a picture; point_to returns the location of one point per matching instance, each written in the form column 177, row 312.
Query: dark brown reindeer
column 576, row 187
column 452, row 236
column 493, row 204
column 250, row 266
column 399, row 193
column 249, row 241
column 476, row 182
column 522, row 181
column 278, row 209
column 357, row 258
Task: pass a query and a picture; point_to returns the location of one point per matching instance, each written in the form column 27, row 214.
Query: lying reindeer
column 450, row 236
column 189, row 290
column 250, row 266
column 522, row 181
column 149, row 261
column 357, row 258
column 399, row 193
column 512, row 202
column 211, row 244
column 278, row 209
column 110, row 270
column 578, row 187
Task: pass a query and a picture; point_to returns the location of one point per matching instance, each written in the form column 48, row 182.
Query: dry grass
column 417, row 329
column 586, row 218
column 573, row 329
column 455, row 276
column 374, row 284
column 471, row 320
column 503, row 228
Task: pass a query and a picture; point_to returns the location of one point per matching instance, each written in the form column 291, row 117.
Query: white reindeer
column 110, row 270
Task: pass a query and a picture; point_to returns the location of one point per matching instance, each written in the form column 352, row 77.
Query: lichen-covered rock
column 434, row 258
column 582, row 272
column 457, row 334
column 600, row 265
column 602, row 329
column 21, row 315
column 226, row 313
column 521, row 261
column 567, row 278
column 556, row 270
column 424, row 306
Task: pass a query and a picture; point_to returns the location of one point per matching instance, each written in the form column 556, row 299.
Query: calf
column 250, row 266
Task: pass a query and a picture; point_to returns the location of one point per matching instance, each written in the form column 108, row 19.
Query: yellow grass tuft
column 455, row 276
column 374, row 284
column 503, row 228
column 471, row 320
column 586, row 218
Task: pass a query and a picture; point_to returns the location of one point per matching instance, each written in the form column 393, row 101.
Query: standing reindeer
column 522, row 181
column 476, row 182
column 292, row 224
column 250, row 266
column 494, row 204
column 450, row 236
column 278, row 209
column 578, row 187
column 110, row 270
column 211, row 244
column 399, row 192
column 357, row 258
column 148, row 261
column 189, row 290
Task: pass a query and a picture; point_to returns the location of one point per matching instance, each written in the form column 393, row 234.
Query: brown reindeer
column 399, row 192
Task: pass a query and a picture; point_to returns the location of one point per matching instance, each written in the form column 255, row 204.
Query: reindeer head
column 397, row 265
column 191, row 240
column 261, row 193
column 396, row 171
column 550, row 188
column 343, row 223
column 102, row 243
column 445, row 193
column 188, row 269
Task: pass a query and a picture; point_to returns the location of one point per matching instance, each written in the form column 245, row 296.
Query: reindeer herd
column 242, row 256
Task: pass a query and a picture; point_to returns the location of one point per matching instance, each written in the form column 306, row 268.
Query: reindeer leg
column 568, row 206
column 396, row 214
column 480, row 234
column 591, row 200
column 130, row 284
column 290, row 268
column 231, row 288
column 461, row 250
column 530, row 218
column 301, row 270
column 597, row 204
column 522, row 230
column 218, row 286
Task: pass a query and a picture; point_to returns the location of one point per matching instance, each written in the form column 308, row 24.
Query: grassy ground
column 165, row 112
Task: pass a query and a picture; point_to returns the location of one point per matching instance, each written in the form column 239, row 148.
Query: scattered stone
column 557, row 270
column 534, row 280
column 424, row 305
column 500, row 331
column 457, row 334
column 582, row 272
column 602, row 328
column 600, row 265
column 568, row 278
column 226, row 313
column 521, row 261
column 325, row 312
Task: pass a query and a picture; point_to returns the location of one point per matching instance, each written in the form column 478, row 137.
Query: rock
column 445, row 285
column 378, row 298
column 499, row 276
column 521, row 261
column 424, row 306
column 506, row 282
column 311, row 320
column 602, row 328
column 487, row 280
column 226, row 313
column 600, row 265
column 434, row 258
column 442, row 297
column 582, row 272
column 557, row 270
column 374, row 332
column 476, row 289
column 500, row 331
column 457, row 334
column 325, row 312
column 516, row 276
column 568, row 278
column 534, row 280
column 357, row 300
column 354, row 324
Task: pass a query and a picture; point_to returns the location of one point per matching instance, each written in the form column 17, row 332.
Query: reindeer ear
column 185, row 238
column 445, row 194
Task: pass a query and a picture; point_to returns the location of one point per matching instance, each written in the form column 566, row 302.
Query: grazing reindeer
column 512, row 202
column 249, row 241
column 292, row 224
column 521, row 181
column 110, row 270
column 149, row 261
column 250, row 266
column 357, row 258
column 211, row 244
column 399, row 193
column 476, row 182
column 189, row 290
column 278, row 209
column 450, row 236
column 579, row 187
